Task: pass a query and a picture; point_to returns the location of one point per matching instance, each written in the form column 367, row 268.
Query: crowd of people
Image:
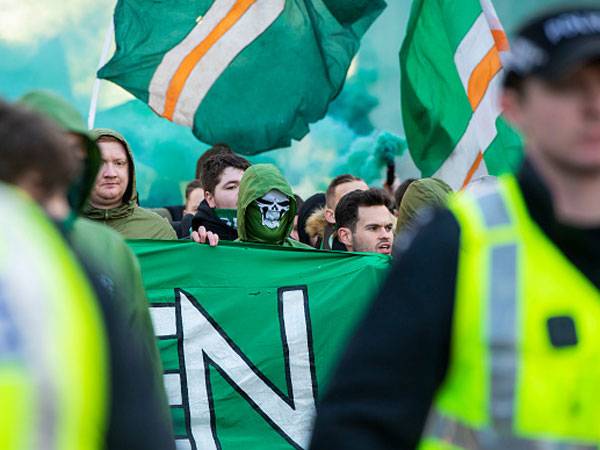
column 233, row 200
column 484, row 336
column 84, row 183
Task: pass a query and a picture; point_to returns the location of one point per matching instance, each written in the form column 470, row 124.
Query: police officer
column 487, row 333
column 53, row 357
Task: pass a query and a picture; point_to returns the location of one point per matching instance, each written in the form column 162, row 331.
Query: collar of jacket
column 539, row 202
column 120, row 212
column 580, row 245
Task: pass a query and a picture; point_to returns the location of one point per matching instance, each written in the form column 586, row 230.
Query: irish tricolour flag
column 250, row 73
column 451, row 62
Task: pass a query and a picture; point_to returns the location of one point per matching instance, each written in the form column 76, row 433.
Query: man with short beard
column 365, row 222
column 485, row 335
column 114, row 199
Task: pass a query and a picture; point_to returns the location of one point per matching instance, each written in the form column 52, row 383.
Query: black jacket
column 138, row 414
column 207, row 218
column 381, row 393
column 183, row 227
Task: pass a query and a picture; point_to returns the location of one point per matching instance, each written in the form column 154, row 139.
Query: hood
column 427, row 192
column 66, row 117
column 130, row 196
column 131, row 191
column 305, row 213
column 256, row 182
column 316, row 223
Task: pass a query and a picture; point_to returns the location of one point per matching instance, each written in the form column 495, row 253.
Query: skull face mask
column 268, row 218
column 273, row 205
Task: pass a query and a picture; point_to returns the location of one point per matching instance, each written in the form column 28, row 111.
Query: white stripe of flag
column 481, row 130
column 174, row 57
column 208, row 70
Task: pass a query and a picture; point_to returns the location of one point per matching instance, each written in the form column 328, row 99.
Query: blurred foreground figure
column 36, row 157
column 53, row 360
column 53, row 357
column 486, row 334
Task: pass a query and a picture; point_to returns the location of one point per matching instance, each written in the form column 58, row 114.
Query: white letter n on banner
column 205, row 344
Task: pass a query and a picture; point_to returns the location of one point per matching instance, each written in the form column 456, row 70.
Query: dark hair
column 194, row 184
column 299, row 203
column 311, row 204
column 346, row 212
column 213, row 168
column 214, row 150
column 514, row 82
column 340, row 179
column 401, row 190
column 32, row 144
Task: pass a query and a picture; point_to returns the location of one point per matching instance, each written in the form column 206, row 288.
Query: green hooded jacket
column 258, row 180
column 102, row 247
column 68, row 118
column 427, row 192
column 129, row 219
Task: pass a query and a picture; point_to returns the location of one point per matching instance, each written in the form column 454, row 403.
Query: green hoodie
column 68, row 118
column 427, row 192
column 104, row 248
column 258, row 180
column 129, row 219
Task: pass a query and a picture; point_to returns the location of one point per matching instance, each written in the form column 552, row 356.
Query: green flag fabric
column 451, row 66
column 248, row 335
column 250, row 73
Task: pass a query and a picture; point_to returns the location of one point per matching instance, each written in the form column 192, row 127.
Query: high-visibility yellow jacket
column 53, row 367
column 524, row 367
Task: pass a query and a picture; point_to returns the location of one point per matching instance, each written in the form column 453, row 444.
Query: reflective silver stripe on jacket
column 502, row 338
column 459, row 435
column 501, row 326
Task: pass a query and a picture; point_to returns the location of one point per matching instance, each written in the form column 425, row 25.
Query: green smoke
column 368, row 156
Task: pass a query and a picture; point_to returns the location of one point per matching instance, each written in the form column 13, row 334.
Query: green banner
column 249, row 334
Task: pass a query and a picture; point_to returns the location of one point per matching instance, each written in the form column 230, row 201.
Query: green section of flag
column 273, row 89
column 238, row 287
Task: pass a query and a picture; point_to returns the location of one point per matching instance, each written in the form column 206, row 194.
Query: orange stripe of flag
column 189, row 62
column 473, row 169
column 482, row 76
column 501, row 40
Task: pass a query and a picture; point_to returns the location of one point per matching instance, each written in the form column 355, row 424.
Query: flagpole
column 108, row 38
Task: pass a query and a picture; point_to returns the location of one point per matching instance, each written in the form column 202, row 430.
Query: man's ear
column 210, row 199
column 329, row 216
column 344, row 235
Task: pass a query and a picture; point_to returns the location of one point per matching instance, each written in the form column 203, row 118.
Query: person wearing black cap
column 486, row 334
